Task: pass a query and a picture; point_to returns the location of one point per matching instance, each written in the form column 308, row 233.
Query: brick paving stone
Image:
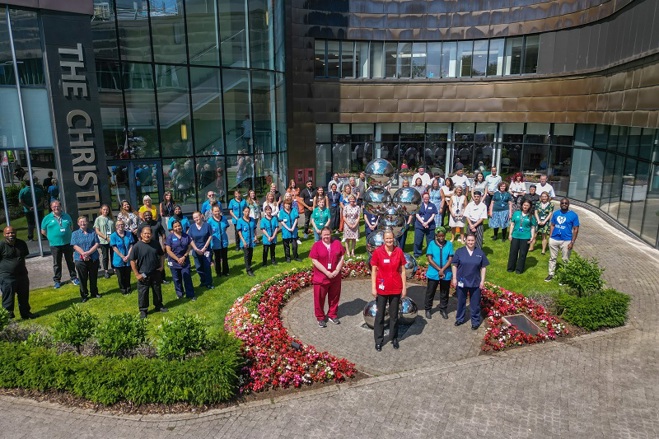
column 602, row 385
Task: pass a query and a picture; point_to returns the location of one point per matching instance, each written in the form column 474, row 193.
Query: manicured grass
column 212, row 305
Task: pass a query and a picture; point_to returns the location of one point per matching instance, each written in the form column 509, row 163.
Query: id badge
column 461, row 284
column 386, row 261
column 169, row 263
column 381, row 285
column 62, row 230
column 329, row 266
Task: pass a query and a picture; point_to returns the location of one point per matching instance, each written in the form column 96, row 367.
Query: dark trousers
column 19, row 288
column 474, row 304
column 58, row 251
column 235, row 231
column 307, row 220
column 88, row 271
column 152, row 281
column 288, row 243
column 203, row 266
column 378, row 329
column 221, row 261
column 419, row 234
column 123, row 279
column 268, row 248
column 182, row 278
column 488, row 200
column 31, row 224
column 444, row 287
column 106, row 261
column 335, row 214
column 519, row 248
column 402, row 240
column 248, row 253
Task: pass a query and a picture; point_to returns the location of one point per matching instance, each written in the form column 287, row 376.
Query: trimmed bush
column 181, row 336
column 204, row 379
column 4, row 318
column 74, row 326
column 582, row 277
column 120, row 333
column 606, row 309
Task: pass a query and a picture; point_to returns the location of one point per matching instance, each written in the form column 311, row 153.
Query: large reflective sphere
column 374, row 240
column 408, row 311
column 376, row 200
column 410, row 265
column 408, row 200
column 379, row 172
column 394, row 220
column 370, row 310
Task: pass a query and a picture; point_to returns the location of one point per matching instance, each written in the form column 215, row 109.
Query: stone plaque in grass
column 523, row 323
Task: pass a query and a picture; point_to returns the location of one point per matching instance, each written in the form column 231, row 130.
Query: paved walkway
column 603, row 385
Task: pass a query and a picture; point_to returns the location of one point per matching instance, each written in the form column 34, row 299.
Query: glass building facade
column 192, row 97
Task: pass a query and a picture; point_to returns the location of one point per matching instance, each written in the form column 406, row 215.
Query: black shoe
column 322, row 324
column 288, row 259
column 475, row 327
column 518, row 272
column 495, row 237
column 30, row 315
column 298, row 259
column 12, row 315
column 96, row 296
column 163, row 309
column 84, row 299
column 193, row 299
column 510, row 271
column 378, row 347
column 428, row 314
column 165, row 282
column 444, row 314
column 273, row 262
column 395, row 344
column 143, row 314
column 250, row 273
column 459, row 323
column 107, row 275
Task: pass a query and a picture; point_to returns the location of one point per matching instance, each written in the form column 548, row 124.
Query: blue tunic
column 122, row 244
column 85, row 241
column 219, row 230
column 200, row 236
column 288, row 219
column 179, row 246
column 269, row 225
column 247, row 229
column 440, row 257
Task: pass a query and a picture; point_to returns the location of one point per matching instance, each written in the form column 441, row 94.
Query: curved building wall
column 596, row 70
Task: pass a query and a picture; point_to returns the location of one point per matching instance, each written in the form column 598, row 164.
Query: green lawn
column 212, row 305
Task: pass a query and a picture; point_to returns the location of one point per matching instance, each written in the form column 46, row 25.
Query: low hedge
column 605, row 309
column 204, row 379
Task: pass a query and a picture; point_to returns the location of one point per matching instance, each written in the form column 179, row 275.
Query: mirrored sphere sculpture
column 410, row 265
column 374, row 240
column 408, row 200
column 376, row 200
column 393, row 220
column 370, row 310
column 408, row 311
column 379, row 172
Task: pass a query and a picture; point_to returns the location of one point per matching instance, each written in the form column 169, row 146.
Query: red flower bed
column 497, row 302
column 272, row 361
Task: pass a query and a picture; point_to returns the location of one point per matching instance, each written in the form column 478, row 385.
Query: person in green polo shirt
column 57, row 227
column 25, row 198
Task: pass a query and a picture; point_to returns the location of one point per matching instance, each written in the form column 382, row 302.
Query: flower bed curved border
column 498, row 302
column 272, row 361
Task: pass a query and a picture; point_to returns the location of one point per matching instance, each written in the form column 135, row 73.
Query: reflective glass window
column 362, row 60
column 333, row 58
column 6, row 60
column 168, row 31
column 280, row 96
column 434, row 60
column 110, row 97
column 419, row 58
column 37, row 117
column 133, row 24
column 531, row 49
column 323, row 133
column 513, row 59
column 237, row 114
column 465, row 57
column 347, row 59
column 449, row 60
column 142, row 136
column 233, row 35
column 480, row 58
column 174, row 111
column 495, row 58
column 261, row 47
column 634, row 141
column 636, row 193
column 319, row 59
column 103, row 30
column 207, row 110
column 264, row 110
column 203, row 32
column 647, row 141
column 27, row 44
column 404, row 60
column 377, row 59
column 390, row 54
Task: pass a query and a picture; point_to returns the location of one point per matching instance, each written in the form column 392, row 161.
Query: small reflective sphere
column 394, row 220
column 379, row 172
column 376, row 200
column 369, row 312
column 408, row 311
column 410, row 265
column 408, row 200
column 374, row 240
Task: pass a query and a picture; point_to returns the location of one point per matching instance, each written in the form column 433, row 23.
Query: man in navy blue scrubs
column 469, row 266
column 424, row 225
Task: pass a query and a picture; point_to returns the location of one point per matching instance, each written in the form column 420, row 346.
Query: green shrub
column 606, row 309
column 4, row 318
column 120, row 333
column 74, row 326
column 39, row 337
column 180, row 336
column 582, row 276
column 204, row 379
